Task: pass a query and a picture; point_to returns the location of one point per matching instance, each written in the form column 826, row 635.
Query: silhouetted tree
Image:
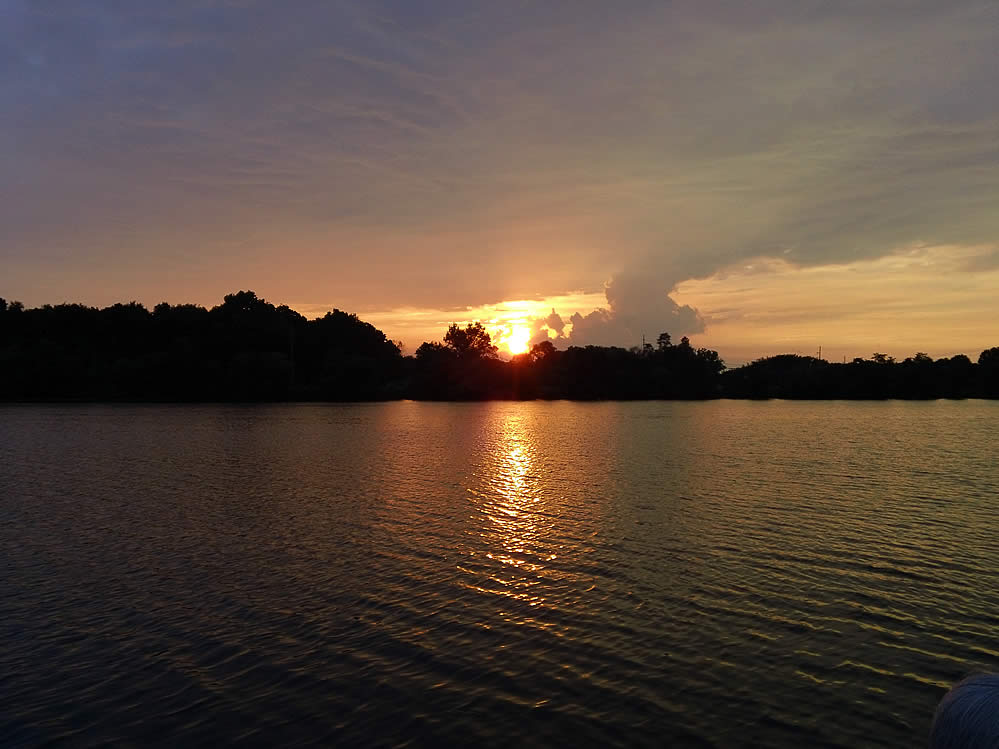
column 471, row 341
column 989, row 357
column 542, row 350
column 434, row 351
column 243, row 349
column 988, row 363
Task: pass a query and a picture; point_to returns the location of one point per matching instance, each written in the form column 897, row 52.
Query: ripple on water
column 624, row 574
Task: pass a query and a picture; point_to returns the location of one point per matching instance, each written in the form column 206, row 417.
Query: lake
column 725, row 573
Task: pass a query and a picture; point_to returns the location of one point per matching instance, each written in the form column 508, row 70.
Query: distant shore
column 248, row 350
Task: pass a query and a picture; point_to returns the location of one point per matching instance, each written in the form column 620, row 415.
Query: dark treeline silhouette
column 247, row 349
column 917, row 377
column 465, row 366
column 243, row 349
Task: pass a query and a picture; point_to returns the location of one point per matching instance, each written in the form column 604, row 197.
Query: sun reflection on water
column 519, row 535
column 514, row 513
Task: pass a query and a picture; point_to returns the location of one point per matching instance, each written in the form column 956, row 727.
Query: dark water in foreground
column 544, row 574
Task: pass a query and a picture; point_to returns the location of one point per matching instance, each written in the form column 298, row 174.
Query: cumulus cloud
column 638, row 307
column 547, row 328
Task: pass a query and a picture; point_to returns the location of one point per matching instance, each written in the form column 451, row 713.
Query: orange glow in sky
column 518, row 339
column 824, row 188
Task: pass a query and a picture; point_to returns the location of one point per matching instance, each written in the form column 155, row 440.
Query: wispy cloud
column 392, row 154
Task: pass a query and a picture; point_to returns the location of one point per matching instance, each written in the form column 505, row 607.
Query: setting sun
column 518, row 341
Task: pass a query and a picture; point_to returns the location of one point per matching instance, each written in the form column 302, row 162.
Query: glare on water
column 628, row 574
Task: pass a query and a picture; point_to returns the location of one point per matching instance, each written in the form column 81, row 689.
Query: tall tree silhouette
column 472, row 341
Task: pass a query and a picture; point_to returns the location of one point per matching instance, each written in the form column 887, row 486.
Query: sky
column 765, row 177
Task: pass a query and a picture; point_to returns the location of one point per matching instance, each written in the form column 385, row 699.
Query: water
column 501, row 574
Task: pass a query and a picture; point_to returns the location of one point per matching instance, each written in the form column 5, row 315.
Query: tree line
column 881, row 376
column 247, row 349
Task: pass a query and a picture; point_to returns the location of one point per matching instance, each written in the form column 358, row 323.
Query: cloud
column 547, row 328
column 920, row 298
column 984, row 261
column 638, row 307
column 390, row 154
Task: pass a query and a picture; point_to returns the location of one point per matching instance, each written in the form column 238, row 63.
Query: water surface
column 499, row 574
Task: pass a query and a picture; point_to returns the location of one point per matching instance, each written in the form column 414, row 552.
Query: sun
column 518, row 340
